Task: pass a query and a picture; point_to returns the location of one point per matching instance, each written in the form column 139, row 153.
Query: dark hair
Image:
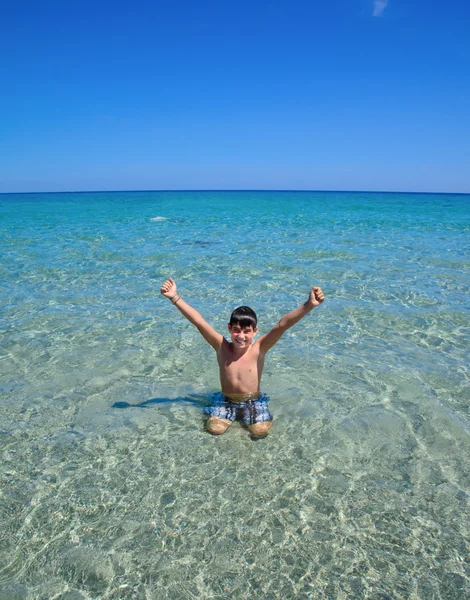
column 244, row 316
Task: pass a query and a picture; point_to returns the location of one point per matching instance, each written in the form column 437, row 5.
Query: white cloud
column 379, row 7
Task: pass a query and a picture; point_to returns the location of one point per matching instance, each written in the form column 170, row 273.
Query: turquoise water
column 111, row 488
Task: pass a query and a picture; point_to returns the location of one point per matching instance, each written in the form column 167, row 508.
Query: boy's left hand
column 316, row 296
column 168, row 289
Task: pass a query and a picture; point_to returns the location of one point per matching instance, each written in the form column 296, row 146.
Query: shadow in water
column 194, row 399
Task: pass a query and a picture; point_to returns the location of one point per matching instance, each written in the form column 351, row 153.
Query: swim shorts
column 250, row 411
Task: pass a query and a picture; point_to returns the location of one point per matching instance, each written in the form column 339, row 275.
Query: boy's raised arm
column 268, row 340
column 211, row 336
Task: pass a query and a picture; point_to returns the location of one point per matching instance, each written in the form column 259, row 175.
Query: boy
column 240, row 361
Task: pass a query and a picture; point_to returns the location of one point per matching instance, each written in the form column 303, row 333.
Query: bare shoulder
column 224, row 346
column 258, row 346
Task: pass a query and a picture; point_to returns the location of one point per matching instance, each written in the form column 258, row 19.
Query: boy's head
column 243, row 326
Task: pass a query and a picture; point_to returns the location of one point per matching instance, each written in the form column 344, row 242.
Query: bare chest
column 245, row 369
column 245, row 364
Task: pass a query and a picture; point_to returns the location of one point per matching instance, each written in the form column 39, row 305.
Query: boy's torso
column 240, row 375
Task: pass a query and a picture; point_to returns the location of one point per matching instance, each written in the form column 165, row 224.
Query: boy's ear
column 229, row 327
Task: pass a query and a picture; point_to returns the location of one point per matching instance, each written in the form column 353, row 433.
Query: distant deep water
column 109, row 485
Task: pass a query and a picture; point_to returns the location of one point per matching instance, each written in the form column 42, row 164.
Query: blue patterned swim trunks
column 250, row 411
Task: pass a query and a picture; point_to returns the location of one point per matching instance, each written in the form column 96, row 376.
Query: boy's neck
column 239, row 351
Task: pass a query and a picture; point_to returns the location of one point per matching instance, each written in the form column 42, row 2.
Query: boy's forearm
column 207, row 331
column 188, row 311
column 295, row 316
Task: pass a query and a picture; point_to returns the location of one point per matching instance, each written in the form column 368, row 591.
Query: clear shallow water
column 362, row 488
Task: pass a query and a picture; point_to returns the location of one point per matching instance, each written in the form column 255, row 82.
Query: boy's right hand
column 168, row 289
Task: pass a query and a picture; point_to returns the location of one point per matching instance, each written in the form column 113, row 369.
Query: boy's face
column 242, row 336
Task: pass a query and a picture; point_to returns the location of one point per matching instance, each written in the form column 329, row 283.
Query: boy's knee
column 217, row 426
column 260, row 430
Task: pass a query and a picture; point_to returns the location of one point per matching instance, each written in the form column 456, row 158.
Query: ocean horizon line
column 239, row 190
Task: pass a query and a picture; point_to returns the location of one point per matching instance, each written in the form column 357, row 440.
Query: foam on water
column 110, row 487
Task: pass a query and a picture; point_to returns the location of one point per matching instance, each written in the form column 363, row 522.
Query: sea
column 110, row 487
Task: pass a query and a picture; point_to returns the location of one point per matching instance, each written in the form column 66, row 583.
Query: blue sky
column 169, row 94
